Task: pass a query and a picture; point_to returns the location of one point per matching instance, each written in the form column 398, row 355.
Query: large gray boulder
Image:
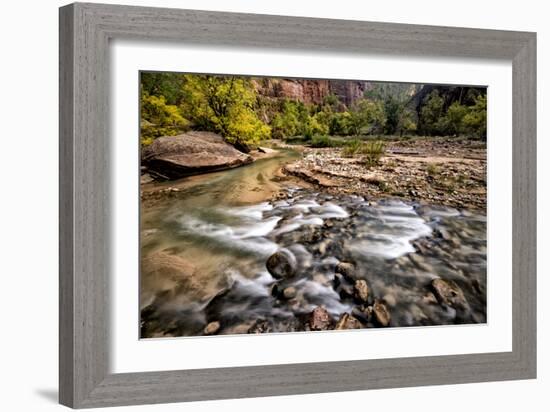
column 191, row 153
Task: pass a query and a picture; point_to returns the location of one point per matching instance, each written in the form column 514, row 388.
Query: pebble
column 212, row 328
column 289, row 293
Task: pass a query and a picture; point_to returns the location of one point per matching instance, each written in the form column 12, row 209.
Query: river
column 204, row 251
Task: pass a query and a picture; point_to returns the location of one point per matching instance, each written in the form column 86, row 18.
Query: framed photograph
column 257, row 205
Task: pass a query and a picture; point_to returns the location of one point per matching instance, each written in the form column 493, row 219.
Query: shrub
column 352, row 148
column 432, row 169
column 373, row 152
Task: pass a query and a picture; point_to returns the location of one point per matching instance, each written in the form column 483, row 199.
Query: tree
column 294, row 119
column 475, row 120
column 365, row 115
column 159, row 119
column 454, row 111
column 224, row 105
column 286, row 122
column 431, row 114
column 168, row 85
column 331, row 101
column 454, row 119
column 340, row 124
column 393, row 110
column 407, row 122
column 396, row 99
column 315, row 126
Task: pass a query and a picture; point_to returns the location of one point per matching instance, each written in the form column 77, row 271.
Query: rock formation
column 311, row 91
column 173, row 157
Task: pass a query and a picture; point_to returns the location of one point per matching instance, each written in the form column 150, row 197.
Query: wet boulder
column 346, row 269
column 449, row 293
column 282, row 264
column 173, row 157
column 320, row 319
column 289, row 293
column 361, row 290
column 381, row 314
column 348, row 321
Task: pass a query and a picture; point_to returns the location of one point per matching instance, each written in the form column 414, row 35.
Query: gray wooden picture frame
column 85, row 32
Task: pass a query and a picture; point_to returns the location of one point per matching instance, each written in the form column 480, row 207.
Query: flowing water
column 204, row 253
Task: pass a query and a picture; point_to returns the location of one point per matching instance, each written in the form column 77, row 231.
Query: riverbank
column 439, row 171
column 260, row 180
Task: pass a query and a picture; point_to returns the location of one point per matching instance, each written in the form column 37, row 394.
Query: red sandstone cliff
column 311, row 91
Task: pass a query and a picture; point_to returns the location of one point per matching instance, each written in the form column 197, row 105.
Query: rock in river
column 381, row 314
column 361, row 290
column 347, row 269
column 173, row 157
column 281, row 264
column 319, row 319
column 212, row 328
column 348, row 321
column 449, row 293
column 429, row 299
column 289, row 293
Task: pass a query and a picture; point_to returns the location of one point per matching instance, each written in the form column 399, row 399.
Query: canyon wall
column 311, row 91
